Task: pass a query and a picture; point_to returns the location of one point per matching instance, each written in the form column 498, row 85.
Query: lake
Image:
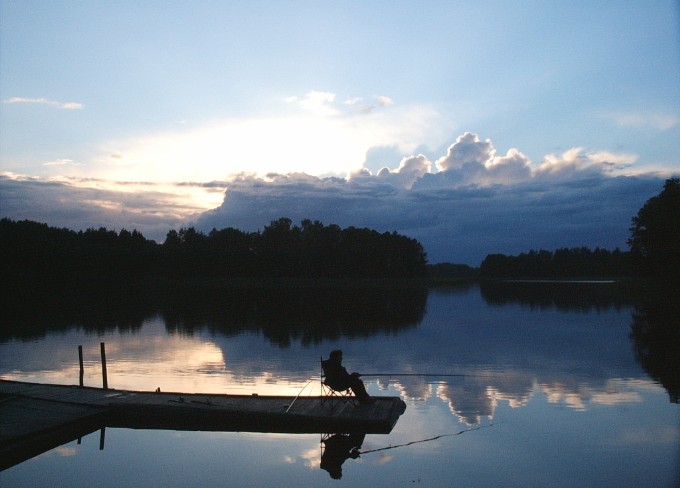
column 506, row 385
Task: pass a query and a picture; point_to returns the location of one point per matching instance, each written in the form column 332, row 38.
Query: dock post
column 102, row 436
column 104, row 378
column 80, row 360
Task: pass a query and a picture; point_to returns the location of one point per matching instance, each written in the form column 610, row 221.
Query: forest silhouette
column 35, row 253
column 39, row 258
column 654, row 250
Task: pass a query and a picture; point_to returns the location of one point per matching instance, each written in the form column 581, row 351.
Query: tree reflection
column 305, row 313
column 95, row 309
column 561, row 295
column 309, row 312
column 656, row 338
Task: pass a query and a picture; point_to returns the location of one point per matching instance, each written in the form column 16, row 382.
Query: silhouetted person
column 339, row 448
column 339, row 379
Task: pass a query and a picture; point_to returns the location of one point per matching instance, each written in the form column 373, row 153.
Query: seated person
column 339, row 379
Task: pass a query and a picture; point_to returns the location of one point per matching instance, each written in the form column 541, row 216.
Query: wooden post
column 104, row 378
column 102, row 436
column 80, row 360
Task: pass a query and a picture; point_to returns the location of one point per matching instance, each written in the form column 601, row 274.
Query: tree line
column 34, row 252
column 310, row 250
column 654, row 250
column 580, row 262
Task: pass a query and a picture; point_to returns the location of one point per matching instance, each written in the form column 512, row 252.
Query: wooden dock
column 32, row 412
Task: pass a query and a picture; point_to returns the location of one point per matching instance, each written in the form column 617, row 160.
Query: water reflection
column 656, row 336
column 655, row 318
column 584, row 296
column 305, row 313
column 213, row 342
column 308, row 315
column 338, row 448
column 569, row 380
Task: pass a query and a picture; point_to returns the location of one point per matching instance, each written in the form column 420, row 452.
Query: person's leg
column 359, row 389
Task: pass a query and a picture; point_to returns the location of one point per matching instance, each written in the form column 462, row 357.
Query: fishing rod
column 445, row 375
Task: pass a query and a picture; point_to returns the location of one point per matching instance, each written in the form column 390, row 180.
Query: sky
column 473, row 126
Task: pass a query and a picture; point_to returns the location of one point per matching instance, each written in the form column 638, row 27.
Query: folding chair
column 332, row 395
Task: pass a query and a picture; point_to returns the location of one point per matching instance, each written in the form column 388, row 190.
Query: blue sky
column 142, row 114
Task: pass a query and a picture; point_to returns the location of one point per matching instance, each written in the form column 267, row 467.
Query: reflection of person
column 339, row 379
column 339, row 448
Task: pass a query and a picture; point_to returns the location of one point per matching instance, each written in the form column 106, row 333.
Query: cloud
column 324, row 139
column 383, row 100
column 78, row 204
column 324, row 104
column 660, row 121
column 45, row 101
column 478, row 203
column 468, row 153
column 410, row 170
column 473, row 161
column 320, row 103
column 62, row 162
column 576, row 160
column 456, row 223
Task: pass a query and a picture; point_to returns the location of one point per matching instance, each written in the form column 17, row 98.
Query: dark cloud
column 478, row 203
column 458, row 223
column 62, row 204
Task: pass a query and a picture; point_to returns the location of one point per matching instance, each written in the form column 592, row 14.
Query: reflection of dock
column 30, row 426
column 36, row 417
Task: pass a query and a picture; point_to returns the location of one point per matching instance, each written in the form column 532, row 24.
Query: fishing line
column 299, row 393
column 424, row 440
column 445, row 375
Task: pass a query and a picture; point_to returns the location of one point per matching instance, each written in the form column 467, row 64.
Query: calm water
column 553, row 388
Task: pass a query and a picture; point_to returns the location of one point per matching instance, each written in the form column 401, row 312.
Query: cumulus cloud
column 468, row 153
column 473, row 161
column 477, row 203
column 410, row 170
column 45, row 101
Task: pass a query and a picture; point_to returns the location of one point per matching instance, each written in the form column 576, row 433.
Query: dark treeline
column 34, row 253
column 654, row 250
column 311, row 250
column 580, row 262
column 38, row 256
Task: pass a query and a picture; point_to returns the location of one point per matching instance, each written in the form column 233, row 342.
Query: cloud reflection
column 501, row 352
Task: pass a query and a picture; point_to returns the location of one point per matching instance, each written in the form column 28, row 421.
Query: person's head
column 336, row 355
